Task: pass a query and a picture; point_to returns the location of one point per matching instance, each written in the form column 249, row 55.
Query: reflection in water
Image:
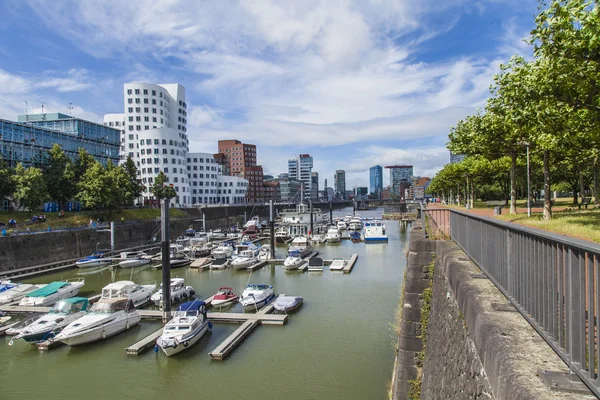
column 338, row 345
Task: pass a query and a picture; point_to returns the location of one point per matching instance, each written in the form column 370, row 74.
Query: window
column 138, row 118
column 146, row 127
column 154, row 93
column 160, row 94
column 130, row 137
column 165, row 160
column 166, row 170
column 131, row 145
column 161, row 120
column 148, row 141
column 153, row 119
column 176, row 180
column 143, row 151
column 164, row 151
column 129, row 101
column 156, row 151
column 137, row 100
column 137, row 91
column 174, row 161
column 156, row 170
column 154, row 112
column 130, row 109
column 161, row 112
column 145, row 109
column 137, row 109
column 161, row 103
column 129, row 91
column 130, row 127
column 145, row 91
column 157, row 161
column 138, row 128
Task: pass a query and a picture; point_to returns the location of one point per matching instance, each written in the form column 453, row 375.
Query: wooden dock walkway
column 258, row 265
column 233, row 340
column 4, row 328
column 144, row 343
column 348, row 268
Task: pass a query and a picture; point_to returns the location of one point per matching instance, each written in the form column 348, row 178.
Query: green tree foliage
column 59, row 175
column 7, row 181
column 83, row 162
column 30, row 188
column 161, row 189
column 133, row 185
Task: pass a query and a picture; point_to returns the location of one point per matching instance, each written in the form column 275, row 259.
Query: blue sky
column 354, row 83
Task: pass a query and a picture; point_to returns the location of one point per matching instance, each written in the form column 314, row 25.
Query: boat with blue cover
column 355, row 236
column 186, row 327
column 256, row 296
column 53, row 292
column 40, row 328
column 95, row 260
column 7, row 285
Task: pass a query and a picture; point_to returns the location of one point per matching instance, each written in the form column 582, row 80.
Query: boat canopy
column 111, row 305
column 191, row 306
column 73, row 304
column 257, row 286
column 47, row 290
column 7, row 286
column 294, row 253
column 355, row 235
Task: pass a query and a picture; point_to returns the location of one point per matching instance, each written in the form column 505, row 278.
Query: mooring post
column 203, row 222
column 166, row 261
column 112, row 237
column 311, row 218
column 272, row 224
column 330, row 213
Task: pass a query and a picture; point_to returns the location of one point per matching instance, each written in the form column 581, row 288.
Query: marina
column 326, row 298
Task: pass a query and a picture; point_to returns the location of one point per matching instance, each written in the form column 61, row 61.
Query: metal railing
column 435, row 220
column 552, row 280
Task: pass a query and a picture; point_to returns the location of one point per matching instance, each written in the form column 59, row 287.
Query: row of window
column 157, row 161
column 145, row 92
column 149, row 142
column 147, row 110
column 137, row 100
column 208, row 160
column 157, row 151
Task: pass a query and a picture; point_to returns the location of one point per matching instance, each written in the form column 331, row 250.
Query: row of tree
column 549, row 105
column 83, row 179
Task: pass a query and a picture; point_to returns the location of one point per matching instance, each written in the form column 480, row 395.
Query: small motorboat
column 286, row 304
column 341, row 225
column 317, row 238
column 315, row 264
column 17, row 292
column 355, row 236
column 254, row 297
column 375, row 231
column 355, row 223
column 106, row 318
column 7, row 285
column 224, row 297
column 186, row 327
column 282, row 234
column 220, row 263
column 244, row 260
column 223, row 250
column 95, row 260
column 333, row 235
column 178, row 292
column 217, row 234
column 301, row 244
column 134, row 262
column 338, row 264
column 243, row 246
column 53, row 292
column 265, row 252
column 138, row 294
column 177, row 260
column 293, row 260
column 40, row 328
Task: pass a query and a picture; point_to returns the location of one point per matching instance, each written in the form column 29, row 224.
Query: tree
column 59, row 175
column 83, row 162
column 7, row 181
column 161, row 189
column 133, row 185
column 92, row 188
column 30, row 188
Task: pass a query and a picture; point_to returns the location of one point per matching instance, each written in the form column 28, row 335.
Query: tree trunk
column 458, row 194
column 596, row 182
column 467, row 192
column 574, row 189
column 472, row 194
column 513, row 183
column 581, row 184
column 547, row 194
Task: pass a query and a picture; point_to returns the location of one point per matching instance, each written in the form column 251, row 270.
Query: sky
column 353, row 83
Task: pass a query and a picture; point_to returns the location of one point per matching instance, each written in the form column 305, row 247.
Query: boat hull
column 50, row 300
column 172, row 350
column 243, row 265
column 259, row 304
column 280, row 309
column 103, row 332
column 93, row 264
column 376, row 239
column 134, row 263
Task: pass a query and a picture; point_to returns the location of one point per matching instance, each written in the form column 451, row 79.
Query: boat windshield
column 62, row 307
column 177, row 327
column 108, row 307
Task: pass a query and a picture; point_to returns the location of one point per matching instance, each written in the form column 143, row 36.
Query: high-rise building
column 314, row 186
column 154, row 134
column 240, row 159
column 400, row 176
column 300, row 169
column 376, row 180
column 339, row 184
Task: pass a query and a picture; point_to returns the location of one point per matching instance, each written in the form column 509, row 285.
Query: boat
column 106, row 318
column 375, row 231
column 95, row 260
column 282, row 234
column 53, row 292
column 178, row 292
column 341, row 225
column 347, row 219
column 265, row 252
column 245, row 245
column 220, row 263
column 355, row 223
column 223, row 250
column 188, row 325
column 189, row 232
column 251, row 230
column 315, row 264
column 244, row 260
column 135, row 262
column 138, row 294
column 333, row 235
column 177, row 260
column 293, row 260
column 217, row 234
column 355, row 236
column 201, row 237
column 338, row 264
column 255, row 296
column 302, row 245
column 17, row 292
column 7, row 285
column 39, row 328
column 224, row 297
column 317, row 238
column 4, row 318
column 286, row 304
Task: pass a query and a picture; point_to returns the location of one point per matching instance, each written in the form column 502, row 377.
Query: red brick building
column 239, row 159
column 272, row 191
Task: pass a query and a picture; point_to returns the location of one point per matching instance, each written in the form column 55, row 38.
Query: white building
column 155, row 121
column 209, row 186
column 300, row 169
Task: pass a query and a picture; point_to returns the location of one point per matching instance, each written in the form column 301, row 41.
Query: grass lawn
column 583, row 224
column 559, row 202
column 79, row 219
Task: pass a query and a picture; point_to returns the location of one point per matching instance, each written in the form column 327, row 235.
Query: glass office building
column 28, row 140
column 376, row 180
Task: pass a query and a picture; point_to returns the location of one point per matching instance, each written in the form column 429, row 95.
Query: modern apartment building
column 376, row 180
column 300, row 169
column 240, row 160
column 400, row 176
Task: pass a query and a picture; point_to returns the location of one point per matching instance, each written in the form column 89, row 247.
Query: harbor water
column 339, row 345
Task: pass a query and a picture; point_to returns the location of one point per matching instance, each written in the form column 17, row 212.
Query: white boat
column 315, row 264
column 138, row 294
column 355, row 224
column 286, row 304
column 338, row 264
column 201, row 237
column 188, row 325
column 256, row 296
column 39, row 328
column 95, row 260
column 217, row 234
column 106, row 318
column 333, row 235
column 282, row 234
column 317, row 238
column 244, row 260
column 302, row 245
column 220, row 263
column 347, row 218
column 135, row 262
column 53, row 292
column 178, row 292
column 264, row 252
column 224, row 297
column 375, row 231
column 293, row 260
column 243, row 246
column 341, row 225
column 223, row 250
column 17, row 292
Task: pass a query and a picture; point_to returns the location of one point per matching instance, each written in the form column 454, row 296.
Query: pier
column 233, row 340
column 144, row 343
column 348, row 268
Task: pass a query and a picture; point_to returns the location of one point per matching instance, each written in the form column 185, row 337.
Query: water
column 338, row 346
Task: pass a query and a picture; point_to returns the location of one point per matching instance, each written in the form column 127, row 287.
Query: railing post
column 510, row 262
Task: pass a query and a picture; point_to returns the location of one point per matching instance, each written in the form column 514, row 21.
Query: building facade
column 314, row 186
column 155, row 121
column 240, row 160
column 401, row 176
column 376, row 181
column 27, row 142
column 300, row 169
column 231, row 189
column 339, row 184
column 272, row 191
column 289, row 189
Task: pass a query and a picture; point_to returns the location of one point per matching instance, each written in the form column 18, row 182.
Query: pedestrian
column 91, row 222
column 122, row 219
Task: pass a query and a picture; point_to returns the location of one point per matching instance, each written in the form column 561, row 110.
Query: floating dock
column 348, row 268
column 258, row 265
column 144, row 344
column 7, row 327
column 233, row 340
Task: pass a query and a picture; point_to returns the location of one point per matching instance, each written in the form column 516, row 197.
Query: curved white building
column 209, row 186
